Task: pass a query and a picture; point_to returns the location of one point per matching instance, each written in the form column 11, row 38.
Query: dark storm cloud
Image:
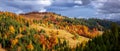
column 38, row 5
column 109, row 6
column 105, row 7
column 85, row 2
column 70, row 3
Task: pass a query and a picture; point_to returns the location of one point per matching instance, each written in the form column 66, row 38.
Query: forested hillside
column 46, row 31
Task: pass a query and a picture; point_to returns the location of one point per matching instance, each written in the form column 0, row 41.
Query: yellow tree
column 14, row 42
column 11, row 29
column 85, row 29
column 30, row 46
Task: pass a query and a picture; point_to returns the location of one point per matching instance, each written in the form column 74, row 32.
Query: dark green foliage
column 91, row 23
column 5, row 43
column 5, row 22
column 105, row 23
column 33, row 31
column 109, row 41
column 42, row 31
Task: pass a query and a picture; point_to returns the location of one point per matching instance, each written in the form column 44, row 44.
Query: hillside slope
column 74, row 26
column 63, row 35
column 42, row 32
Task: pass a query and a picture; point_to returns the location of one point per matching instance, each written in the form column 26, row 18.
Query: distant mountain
column 114, row 20
column 118, row 22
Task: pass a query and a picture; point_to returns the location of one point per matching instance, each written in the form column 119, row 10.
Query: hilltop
column 43, row 31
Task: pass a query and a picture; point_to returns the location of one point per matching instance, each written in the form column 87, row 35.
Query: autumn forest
column 47, row 31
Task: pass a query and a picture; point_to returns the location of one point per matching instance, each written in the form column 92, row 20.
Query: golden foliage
column 5, row 36
column 14, row 41
column 42, row 39
column 11, row 28
column 19, row 48
column 52, row 36
column 19, row 36
column 30, row 46
column 43, row 47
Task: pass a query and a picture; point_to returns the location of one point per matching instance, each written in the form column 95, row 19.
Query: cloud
column 70, row 3
column 19, row 6
column 108, row 7
column 24, row 5
column 67, row 5
column 105, row 8
column 86, row 2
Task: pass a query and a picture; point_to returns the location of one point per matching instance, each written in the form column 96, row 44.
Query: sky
column 103, row 9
